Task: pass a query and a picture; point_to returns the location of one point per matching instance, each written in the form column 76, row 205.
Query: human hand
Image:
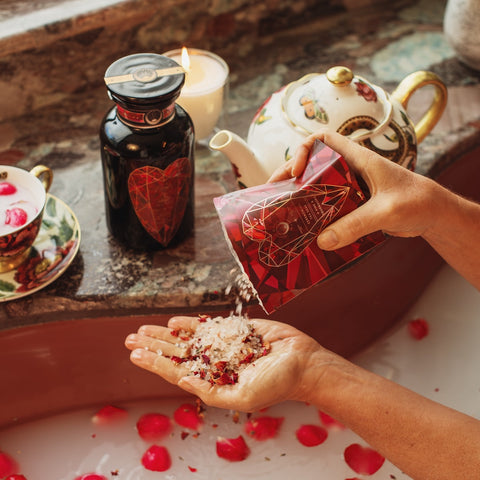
column 288, row 372
column 402, row 203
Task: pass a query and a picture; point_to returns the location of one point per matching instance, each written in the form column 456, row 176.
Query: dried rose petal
column 91, row 476
column 6, row 188
column 188, row 416
column 157, row 459
column 329, row 421
column 232, row 449
column 109, row 414
column 8, row 465
column 418, row 328
column 311, row 435
column 363, row 460
column 153, row 426
column 263, row 428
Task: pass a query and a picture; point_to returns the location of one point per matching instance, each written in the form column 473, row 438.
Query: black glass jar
column 147, row 149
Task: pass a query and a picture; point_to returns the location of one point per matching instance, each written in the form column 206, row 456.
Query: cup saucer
column 52, row 252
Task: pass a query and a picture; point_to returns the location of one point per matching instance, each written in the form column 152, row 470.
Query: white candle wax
column 203, row 92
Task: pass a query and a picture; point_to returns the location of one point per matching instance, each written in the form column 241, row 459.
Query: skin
column 426, row 440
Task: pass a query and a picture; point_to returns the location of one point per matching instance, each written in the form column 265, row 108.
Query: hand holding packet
column 271, row 229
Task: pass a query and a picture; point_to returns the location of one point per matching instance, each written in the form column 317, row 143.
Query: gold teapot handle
column 409, row 85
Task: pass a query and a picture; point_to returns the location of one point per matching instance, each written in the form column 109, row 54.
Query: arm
column 402, row 203
column 424, row 439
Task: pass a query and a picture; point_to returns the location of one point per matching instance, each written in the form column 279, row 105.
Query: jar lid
column 145, row 78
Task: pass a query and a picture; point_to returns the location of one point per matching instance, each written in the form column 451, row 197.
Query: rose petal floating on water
column 232, row 449
column 311, row 435
column 418, row 328
column 153, row 426
column 6, row 188
column 363, row 460
column 91, row 476
column 8, row 465
column 329, row 421
column 263, row 428
column 109, row 414
column 188, row 416
column 157, row 459
column 15, row 217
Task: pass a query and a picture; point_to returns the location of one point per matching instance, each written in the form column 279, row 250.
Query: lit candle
column 203, row 93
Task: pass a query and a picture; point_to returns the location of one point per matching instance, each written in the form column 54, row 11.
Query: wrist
column 324, row 378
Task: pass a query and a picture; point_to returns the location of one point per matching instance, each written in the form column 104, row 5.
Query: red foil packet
column 272, row 229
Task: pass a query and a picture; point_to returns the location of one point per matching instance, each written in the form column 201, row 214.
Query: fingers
column 284, row 172
column 158, row 364
column 295, row 166
column 184, row 323
column 159, row 347
column 355, row 154
column 351, row 227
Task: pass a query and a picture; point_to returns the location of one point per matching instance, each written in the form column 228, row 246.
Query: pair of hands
column 294, row 367
column 288, row 372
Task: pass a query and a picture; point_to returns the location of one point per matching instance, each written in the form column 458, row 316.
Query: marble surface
column 105, row 278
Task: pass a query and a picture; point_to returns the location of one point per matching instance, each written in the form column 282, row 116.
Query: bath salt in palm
column 220, row 348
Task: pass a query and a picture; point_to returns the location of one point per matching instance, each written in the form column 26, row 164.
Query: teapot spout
column 246, row 166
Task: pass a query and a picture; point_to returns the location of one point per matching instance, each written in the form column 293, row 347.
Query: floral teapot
column 338, row 100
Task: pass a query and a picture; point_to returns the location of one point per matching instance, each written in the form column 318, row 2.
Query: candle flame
column 185, row 59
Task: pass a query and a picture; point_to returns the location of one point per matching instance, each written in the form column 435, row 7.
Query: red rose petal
column 6, row 188
column 188, row 416
column 418, row 328
column 153, row 426
column 8, row 465
column 156, row 459
column 311, row 435
column 329, row 421
column 192, row 469
column 16, row 217
column 91, row 476
column 16, row 476
column 263, row 428
column 109, row 414
column 232, row 449
column 363, row 460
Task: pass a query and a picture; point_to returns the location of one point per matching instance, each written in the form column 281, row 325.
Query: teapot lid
column 335, row 98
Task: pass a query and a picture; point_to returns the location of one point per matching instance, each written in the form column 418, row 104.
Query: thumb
column 349, row 228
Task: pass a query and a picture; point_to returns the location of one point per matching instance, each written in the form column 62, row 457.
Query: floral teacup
column 23, row 195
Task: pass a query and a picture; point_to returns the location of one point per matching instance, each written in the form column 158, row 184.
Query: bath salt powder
column 220, row 348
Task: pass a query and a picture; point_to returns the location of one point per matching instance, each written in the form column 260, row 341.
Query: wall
column 68, row 56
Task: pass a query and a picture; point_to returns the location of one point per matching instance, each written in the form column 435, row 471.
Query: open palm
column 273, row 378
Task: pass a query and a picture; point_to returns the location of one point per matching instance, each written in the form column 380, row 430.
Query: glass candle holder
column 206, row 88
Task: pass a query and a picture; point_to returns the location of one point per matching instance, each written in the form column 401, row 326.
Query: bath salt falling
column 220, row 348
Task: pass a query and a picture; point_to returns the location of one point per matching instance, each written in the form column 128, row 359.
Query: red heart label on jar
column 159, row 198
